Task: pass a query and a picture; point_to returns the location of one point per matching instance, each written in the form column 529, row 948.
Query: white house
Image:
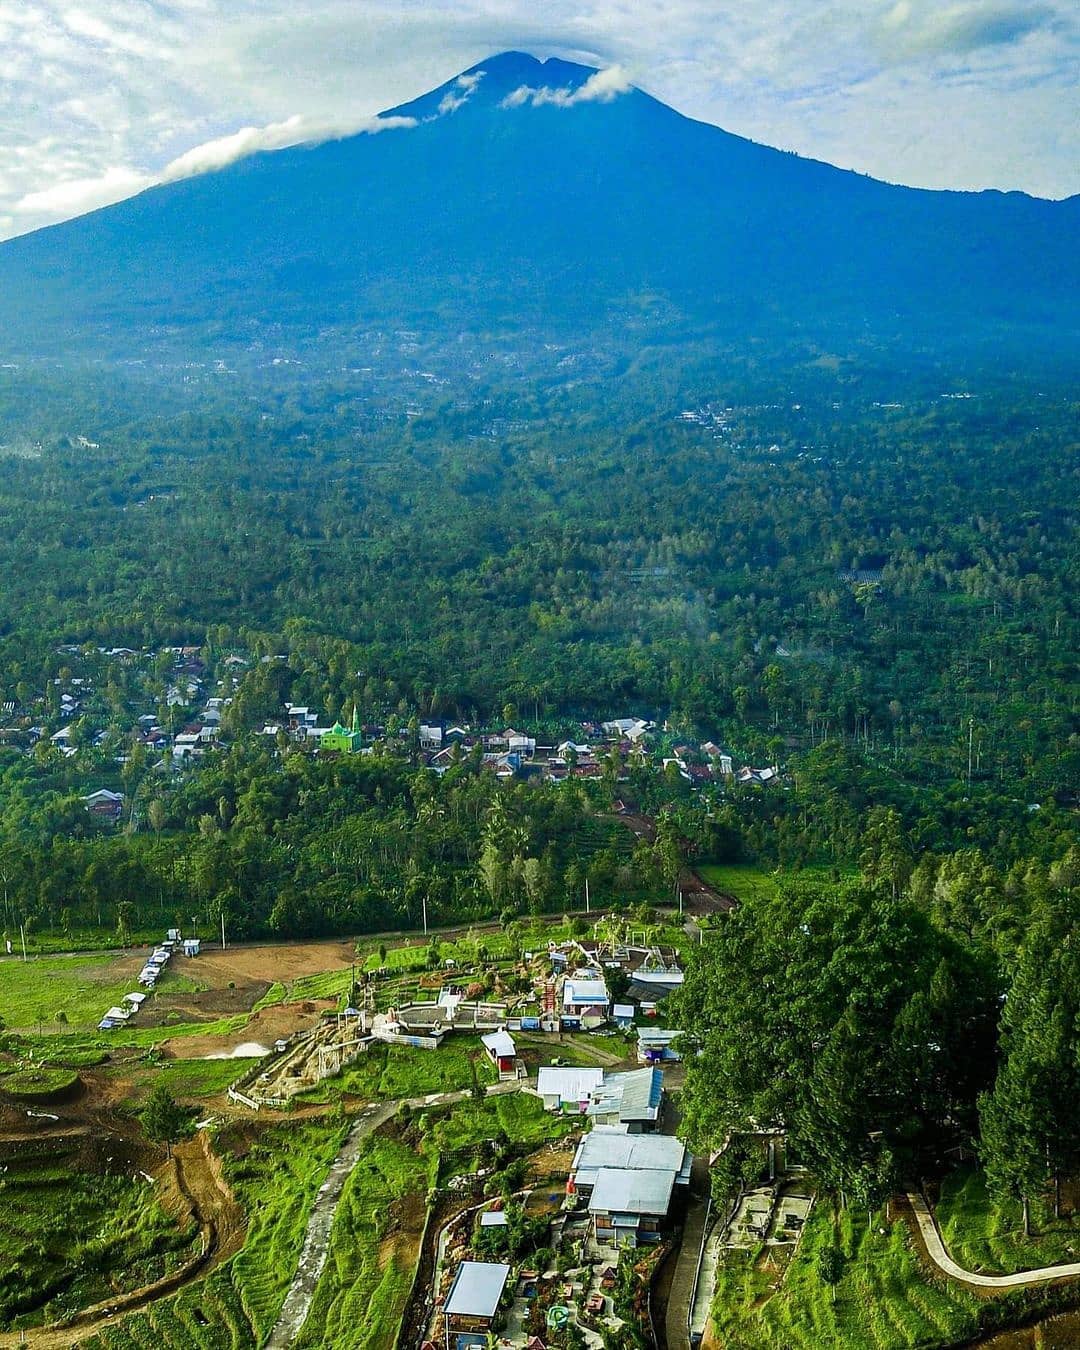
column 585, row 1000
column 567, row 1089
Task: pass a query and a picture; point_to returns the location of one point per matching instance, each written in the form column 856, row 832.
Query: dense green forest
column 864, row 575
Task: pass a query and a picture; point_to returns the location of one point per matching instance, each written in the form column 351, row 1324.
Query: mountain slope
column 565, row 211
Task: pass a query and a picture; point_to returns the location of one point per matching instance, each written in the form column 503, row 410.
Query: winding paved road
column 944, row 1262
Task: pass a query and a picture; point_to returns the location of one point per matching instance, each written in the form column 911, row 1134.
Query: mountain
column 573, row 207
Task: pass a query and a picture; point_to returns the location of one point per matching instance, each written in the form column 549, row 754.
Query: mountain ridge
column 566, row 206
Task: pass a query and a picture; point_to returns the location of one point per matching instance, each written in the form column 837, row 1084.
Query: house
column 628, row 1208
column 632, row 729
column 431, row 736
column 585, row 1001
column 502, row 1052
column 632, row 1101
column 300, row 718
column 518, row 743
column 105, row 805
column 629, row 1180
column 472, row 1303
column 658, row 972
column 761, row 776
column 655, row 1045
column 609, row 1146
column 191, row 946
column 623, row 1015
column 567, row 1089
column 188, row 743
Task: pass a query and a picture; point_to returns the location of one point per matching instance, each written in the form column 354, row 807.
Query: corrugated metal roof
column 610, row 1146
column 569, row 1085
column 477, row 1288
column 626, row 1190
column 584, row 991
column 500, row 1043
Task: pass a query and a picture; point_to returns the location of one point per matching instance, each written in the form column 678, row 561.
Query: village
column 567, row 1233
column 187, row 701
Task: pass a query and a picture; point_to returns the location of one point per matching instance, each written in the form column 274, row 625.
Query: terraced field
column 883, row 1300
column 276, row 1180
column 366, row 1280
column 69, row 1239
column 986, row 1235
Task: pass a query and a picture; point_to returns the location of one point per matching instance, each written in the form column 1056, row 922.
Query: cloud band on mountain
column 87, row 194
column 602, row 87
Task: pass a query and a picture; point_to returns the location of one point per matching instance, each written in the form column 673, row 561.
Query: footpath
column 928, row 1229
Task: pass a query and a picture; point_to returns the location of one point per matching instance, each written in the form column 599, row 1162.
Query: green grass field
column 362, row 1292
column 364, row 1285
column 883, row 1300
column 193, row 1079
column 983, row 1234
column 80, row 987
column 748, row 881
column 392, row 1071
column 68, row 1239
column 237, row 1305
column 745, row 881
column 37, row 1081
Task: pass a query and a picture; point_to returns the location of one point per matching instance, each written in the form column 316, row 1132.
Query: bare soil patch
column 266, row 1026
column 265, row 964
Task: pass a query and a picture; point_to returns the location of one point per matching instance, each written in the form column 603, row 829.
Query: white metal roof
column 500, row 1043
column 569, row 1085
column 623, row 1190
column 477, row 1288
column 493, row 1218
column 609, row 1146
column 584, row 991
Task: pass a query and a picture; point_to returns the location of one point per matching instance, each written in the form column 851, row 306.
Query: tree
column 830, row 1267
column 165, row 1120
column 155, row 814
column 800, row 1008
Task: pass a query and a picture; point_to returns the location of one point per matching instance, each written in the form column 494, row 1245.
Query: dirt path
column 935, row 1248
column 201, row 1189
column 316, row 1246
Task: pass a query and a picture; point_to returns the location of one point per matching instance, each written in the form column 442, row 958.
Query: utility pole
column 424, row 903
column 587, row 909
column 22, row 934
column 222, row 930
column 971, row 735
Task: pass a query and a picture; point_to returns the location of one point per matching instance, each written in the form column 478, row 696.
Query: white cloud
column 602, row 87
column 295, row 130
column 959, row 93
column 459, row 95
column 82, row 194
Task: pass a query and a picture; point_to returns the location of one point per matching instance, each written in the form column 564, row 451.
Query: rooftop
column 585, row 991
column 609, row 1146
column 477, row 1288
column 635, row 1096
column 570, row 1085
column 624, row 1190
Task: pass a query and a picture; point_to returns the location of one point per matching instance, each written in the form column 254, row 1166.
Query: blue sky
column 100, row 98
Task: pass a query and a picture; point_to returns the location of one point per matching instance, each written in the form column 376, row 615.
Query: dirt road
column 195, row 1177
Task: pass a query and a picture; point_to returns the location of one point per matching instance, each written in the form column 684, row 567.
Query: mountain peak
column 492, row 80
